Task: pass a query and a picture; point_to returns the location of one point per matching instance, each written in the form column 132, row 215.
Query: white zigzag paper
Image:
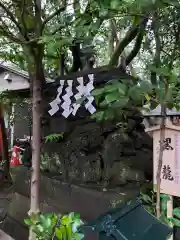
column 67, row 100
column 89, row 87
column 54, row 104
column 79, row 95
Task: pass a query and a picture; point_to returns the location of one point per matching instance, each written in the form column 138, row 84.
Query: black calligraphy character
column 167, row 173
column 167, row 144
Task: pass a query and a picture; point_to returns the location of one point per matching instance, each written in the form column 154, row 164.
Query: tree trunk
column 36, row 147
column 158, row 176
column 112, row 34
column 37, row 81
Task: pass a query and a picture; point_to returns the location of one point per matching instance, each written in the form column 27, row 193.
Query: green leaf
column 103, row 104
column 40, row 228
column 176, row 212
column 59, row 234
column 136, row 19
column 46, row 222
column 112, row 97
column 164, row 196
column 169, row 95
column 172, row 2
column 146, row 87
column 45, row 39
column 76, row 216
column 98, row 115
column 175, row 222
column 160, row 92
column 161, row 71
column 71, row 216
column 173, row 79
column 135, row 93
column 34, row 218
column 76, row 224
column 102, row 13
column 116, row 86
column 108, row 114
column 28, row 222
column 69, row 231
column 164, row 204
column 146, row 198
column 66, row 220
column 163, row 218
column 51, row 47
column 120, row 103
column 122, row 88
column 115, row 4
column 54, row 220
column 77, row 236
column 54, row 137
column 149, row 209
column 111, row 87
column 99, row 91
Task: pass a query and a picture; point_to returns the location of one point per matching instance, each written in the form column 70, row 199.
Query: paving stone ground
column 5, row 197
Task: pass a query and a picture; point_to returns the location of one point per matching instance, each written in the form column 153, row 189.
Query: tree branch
column 23, row 14
column 39, row 23
column 177, row 34
column 137, row 44
column 50, row 17
column 11, row 16
column 161, row 150
column 157, row 59
column 4, row 32
column 130, row 35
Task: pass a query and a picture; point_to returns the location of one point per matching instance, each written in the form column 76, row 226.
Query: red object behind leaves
column 15, row 158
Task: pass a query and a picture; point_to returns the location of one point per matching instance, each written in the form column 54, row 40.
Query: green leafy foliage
column 116, row 97
column 149, row 202
column 51, row 163
column 51, row 226
column 54, row 137
column 150, row 205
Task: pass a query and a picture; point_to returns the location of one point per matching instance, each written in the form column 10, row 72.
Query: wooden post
column 170, row 212
column 12, row 125
column 4, row 145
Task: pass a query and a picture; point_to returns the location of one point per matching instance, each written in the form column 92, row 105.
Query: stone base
column 59, row 197
column 4, row 236
column 15, row 229
column 74, row 198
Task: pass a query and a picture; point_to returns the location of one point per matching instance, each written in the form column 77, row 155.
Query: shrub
column 51, row 226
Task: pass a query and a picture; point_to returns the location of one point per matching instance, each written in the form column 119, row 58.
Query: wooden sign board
column 170, row 172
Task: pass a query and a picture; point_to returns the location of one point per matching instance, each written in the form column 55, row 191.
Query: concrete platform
column 4, row 236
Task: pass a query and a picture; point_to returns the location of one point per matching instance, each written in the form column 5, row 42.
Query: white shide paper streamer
column 89, row 87
column 84, row 91
column 79, row 95
column 55, row 103
column 67, row 100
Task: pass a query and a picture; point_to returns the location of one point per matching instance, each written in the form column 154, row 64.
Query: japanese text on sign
column 170, row 171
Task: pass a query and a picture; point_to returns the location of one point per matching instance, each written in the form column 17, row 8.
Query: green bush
column 149, row 202
column 51, row 226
